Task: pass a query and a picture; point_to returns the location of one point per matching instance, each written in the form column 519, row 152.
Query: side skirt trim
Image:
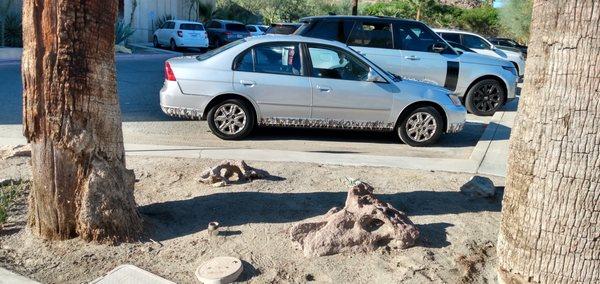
column 326, row 123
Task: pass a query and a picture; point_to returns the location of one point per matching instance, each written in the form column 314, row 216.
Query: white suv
column 175, row 34
column 481, row 45
column 412, row 50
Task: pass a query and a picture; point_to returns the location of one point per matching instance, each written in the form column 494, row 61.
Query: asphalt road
column 139, row 79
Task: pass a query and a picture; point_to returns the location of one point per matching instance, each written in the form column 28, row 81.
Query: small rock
column 479, row 186
column 429, row 256
column 309, row 277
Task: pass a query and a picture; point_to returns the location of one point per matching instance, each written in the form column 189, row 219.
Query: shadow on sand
column 178, row 218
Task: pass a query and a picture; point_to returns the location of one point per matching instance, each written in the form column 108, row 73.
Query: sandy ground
column 457, row 242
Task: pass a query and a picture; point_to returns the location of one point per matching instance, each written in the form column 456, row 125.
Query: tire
column 218, row 43
column 236, row 131
column 155, row 42
column 173, row 45
column 421, row 133
column 485, row 97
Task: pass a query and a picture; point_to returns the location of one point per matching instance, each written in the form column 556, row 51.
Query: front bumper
column 456, row 118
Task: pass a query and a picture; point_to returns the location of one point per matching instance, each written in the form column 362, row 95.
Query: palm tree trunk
column 72, row 119
column 550, row 228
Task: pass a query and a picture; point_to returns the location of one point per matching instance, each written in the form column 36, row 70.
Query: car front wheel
column 422, row 127
column 231, row 119
column 485, row 97
column 173, row 45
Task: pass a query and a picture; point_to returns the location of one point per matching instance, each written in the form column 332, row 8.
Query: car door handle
column 247, row 83
column 323, row 89
column 412, row 57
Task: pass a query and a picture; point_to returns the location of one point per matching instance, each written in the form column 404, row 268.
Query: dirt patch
column 255, row 218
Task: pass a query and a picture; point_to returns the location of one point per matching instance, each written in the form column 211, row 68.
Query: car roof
column 295, row 38
column 286, row 24
column 184, row 22
column 349, row 17
column 455, row 32
column 227, row 21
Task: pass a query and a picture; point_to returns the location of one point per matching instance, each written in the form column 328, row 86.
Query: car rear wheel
column 422, row 127
column 155, row 42
column 231, row 119
column 485, row 97
column 173, row 45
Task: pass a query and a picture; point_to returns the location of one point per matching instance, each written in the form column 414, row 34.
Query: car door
column 374, row 39
column 341, row 92
column 419, row 60
column 273, row 75
column 160, row 33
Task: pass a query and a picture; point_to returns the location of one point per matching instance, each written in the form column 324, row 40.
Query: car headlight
column 512, row 69
column 455, row 100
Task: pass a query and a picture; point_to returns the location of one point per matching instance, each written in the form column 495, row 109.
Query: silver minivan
column 296, row 81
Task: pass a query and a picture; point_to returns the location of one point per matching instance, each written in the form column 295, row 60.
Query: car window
column 507, row 43
column 451, row 37
column 191, row 27
column 245, row 62
column 282, row 29
column 235, row 27
column 277, row 58
column 214, row 25
column 378, row 35
column 171, row 25
column 251, row 28
column 333, row 63
column 415, row 37
column 472, row 41
column 330, row 30
column 262, row 29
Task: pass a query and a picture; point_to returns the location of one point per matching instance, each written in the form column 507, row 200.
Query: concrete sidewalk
column 9, row 277
column 488, row 157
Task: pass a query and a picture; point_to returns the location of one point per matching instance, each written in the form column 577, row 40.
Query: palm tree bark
column 550, row 229
column 72, row 119
column 354, row 7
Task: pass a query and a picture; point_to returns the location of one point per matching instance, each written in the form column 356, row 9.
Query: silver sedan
column 293, row 81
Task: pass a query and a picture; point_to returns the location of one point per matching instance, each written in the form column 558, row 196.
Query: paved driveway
column 140, row 77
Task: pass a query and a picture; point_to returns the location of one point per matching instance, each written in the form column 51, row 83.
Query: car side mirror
column 438, row 47
column 373, row 76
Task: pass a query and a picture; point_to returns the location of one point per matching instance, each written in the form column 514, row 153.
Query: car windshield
column 216, row 51
column 262, row 29
column 191, row 27
column 235, row 27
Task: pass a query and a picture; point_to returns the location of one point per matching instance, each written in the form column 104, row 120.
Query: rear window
column 262, row 29
column 282, row 29
column 236, row 27
column 216, row 51
column 191, row 27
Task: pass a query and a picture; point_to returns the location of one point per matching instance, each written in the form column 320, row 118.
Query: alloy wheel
column 421, row 126
column 230, row 119
column 487, row 97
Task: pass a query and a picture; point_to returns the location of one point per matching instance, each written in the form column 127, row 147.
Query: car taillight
column 227, row 33
column 180, row 33
column 169, row 75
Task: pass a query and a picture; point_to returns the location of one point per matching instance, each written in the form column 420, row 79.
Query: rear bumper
column 174, row 103
column 199, row 42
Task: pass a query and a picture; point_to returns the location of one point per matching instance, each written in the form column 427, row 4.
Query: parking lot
column 140, row 77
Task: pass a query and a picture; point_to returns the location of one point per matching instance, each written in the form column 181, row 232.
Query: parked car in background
column 411, row 49
column 176, row 34
column 481, row 45
column 295, row 81
column 256, row 30
column 221, row 32
column 502, row 43
column 283, row 28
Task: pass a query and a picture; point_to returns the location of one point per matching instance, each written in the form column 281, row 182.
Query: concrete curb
column 155, row 49
column 7, row 276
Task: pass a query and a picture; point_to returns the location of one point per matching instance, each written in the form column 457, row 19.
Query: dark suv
column 412, row 50
column 221, row 32
column 502, row 43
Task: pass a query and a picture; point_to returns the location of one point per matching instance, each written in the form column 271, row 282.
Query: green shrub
column 8, row 195
column 122, row 31
column 13, row 33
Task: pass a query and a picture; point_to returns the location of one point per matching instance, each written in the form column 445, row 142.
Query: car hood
column 423, row 85
column 475, row 58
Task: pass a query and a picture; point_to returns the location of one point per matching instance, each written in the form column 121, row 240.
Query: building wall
column 148, row 12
